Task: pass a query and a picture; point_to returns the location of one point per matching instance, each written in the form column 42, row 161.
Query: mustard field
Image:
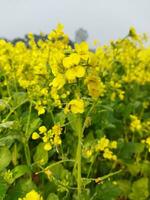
column 75, row 122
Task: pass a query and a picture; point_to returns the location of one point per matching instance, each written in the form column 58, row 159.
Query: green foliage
column 140, row 189
column 74, row 124
column 3, row 188
column 107, row 191
column 52, row 196
column 40, row 156
column 5, row 157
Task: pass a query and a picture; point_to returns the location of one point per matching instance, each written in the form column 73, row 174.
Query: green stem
column 91, row 165
column 52, row 116
column 54, row 164
column 80, row 130
column 26, row 145
column 79, row 152
column 105, row 176
column 28, row 122
column 13, row 110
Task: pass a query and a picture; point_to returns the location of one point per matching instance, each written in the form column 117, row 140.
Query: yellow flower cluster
column 50, row 137
column 147, row 142
column 105, row 145
column 32, row 195
column 116, row 90
column 49, row 69
column 135, row 124
column 95, row 86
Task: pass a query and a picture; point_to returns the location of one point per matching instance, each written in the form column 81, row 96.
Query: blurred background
column 83, row 19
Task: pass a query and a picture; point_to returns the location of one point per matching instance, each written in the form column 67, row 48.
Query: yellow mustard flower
column 107, row 154
column 102, row 144
column 48, row 146
column 56, row 129
column 57, row 140
column 32, row 195
column 41, row 110
column 35, row 136
column 58, row 82
column 95, row 86
column 70, row 75
column 81, row 48
column 148, row 141
column 79, row 71
column 71, row 60
column 135, row 124
column 42, row 129
column 113, row 145
column 76, row 106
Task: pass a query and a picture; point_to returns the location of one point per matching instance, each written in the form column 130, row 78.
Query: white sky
column 103, row 19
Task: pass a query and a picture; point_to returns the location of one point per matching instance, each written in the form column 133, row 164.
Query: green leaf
column 134, row 168
column 19, row 171
column 140, row 189
column 60, row 118
column 7, row 124
column 107, row 191
column 3, row 104
column 41, row 156
column 75, row 122
column 145, row 168
column 52, row 196
column 124, row 186
column 3, row 188
column 15, row 154
column 86, row 181
column 130, row 148
column 5, row 157
column 20, row 189
column 33, row 126
column 8, row 140
column 19, row 98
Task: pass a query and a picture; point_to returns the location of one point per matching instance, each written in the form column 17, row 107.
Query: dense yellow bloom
column 33, row 195
column 57, row 140
column 49, row 137
column 135, row 124
column 71, row 60
column 107, row 154
column 75, row 72
column 79, row 71
column 113, row 145
column 144, row 55
column 81, row 48
column 70, row 75
column 102, row 144
column 58, row 82
column 147, row 142
column 54, row 93
column 53, row 75
column 56, row 129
